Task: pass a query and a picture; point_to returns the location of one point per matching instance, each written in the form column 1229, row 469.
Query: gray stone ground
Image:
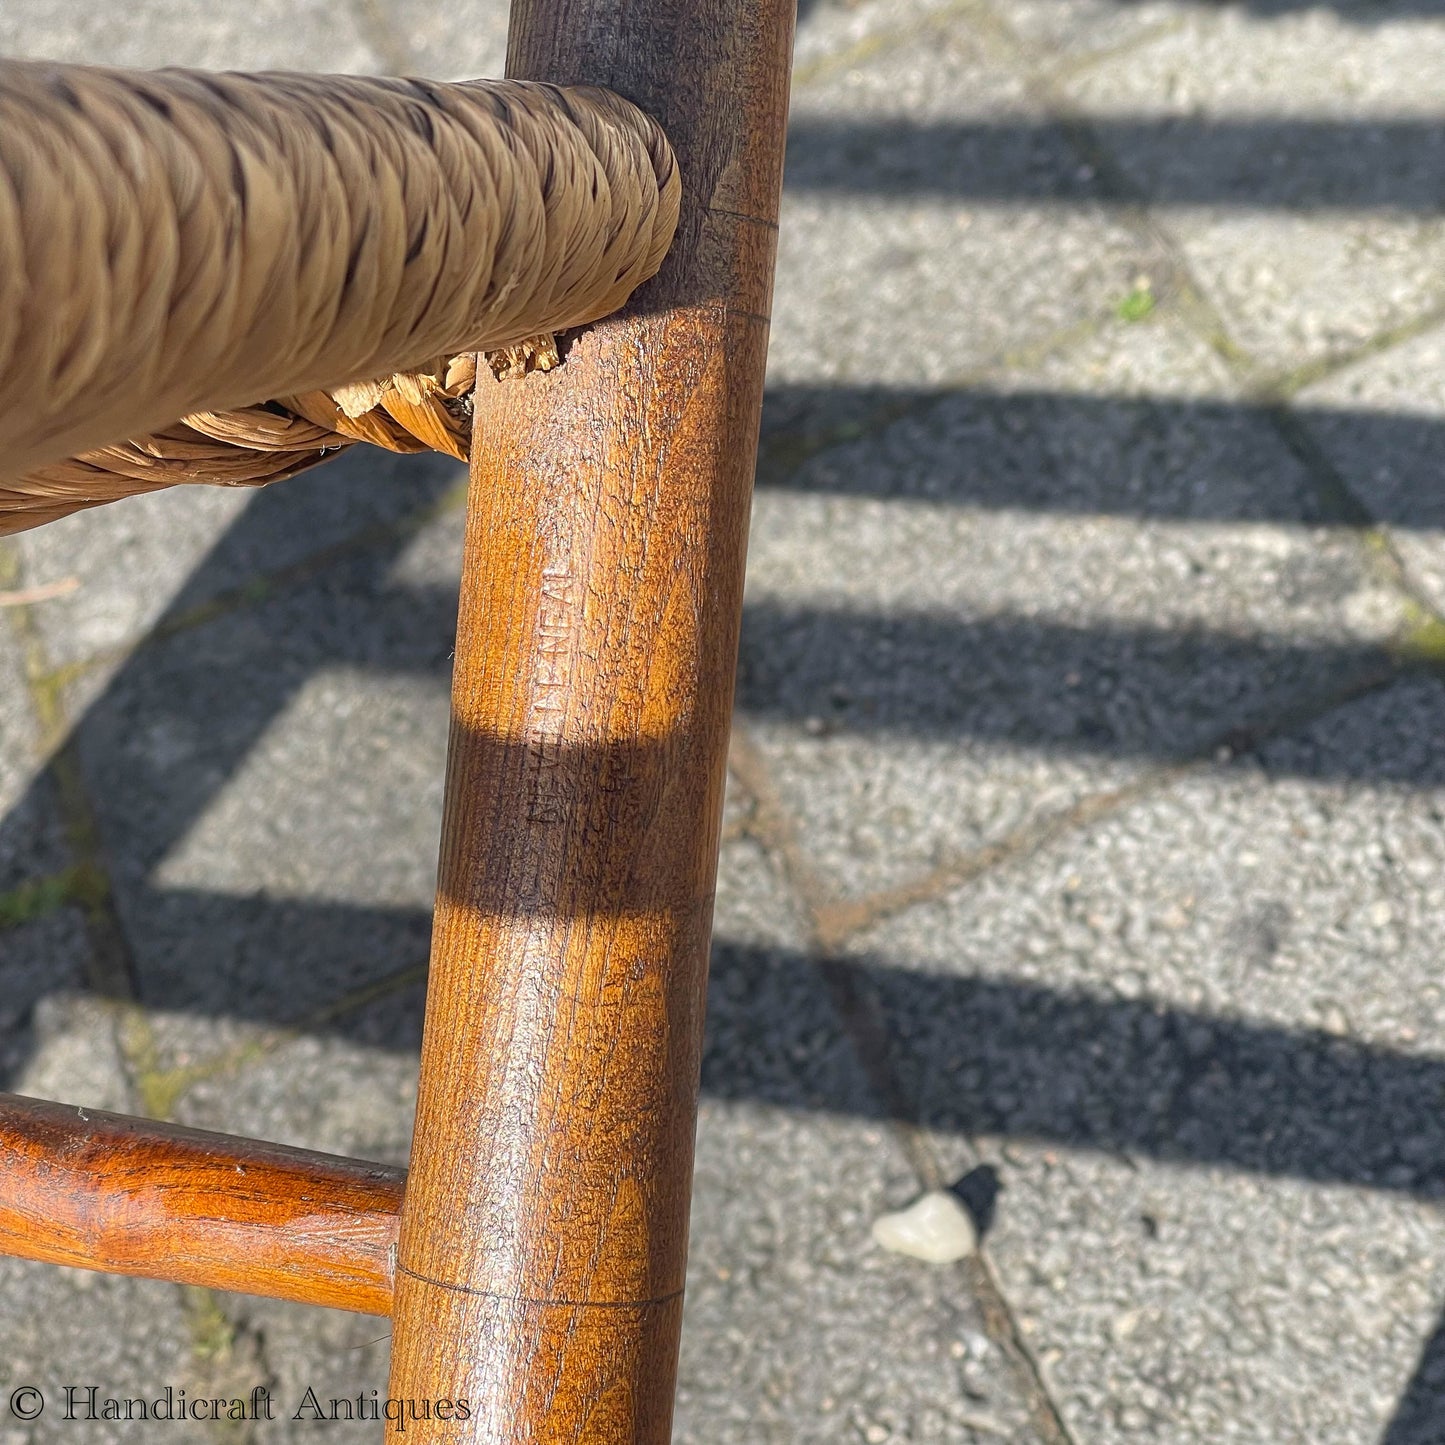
column 1086, row 839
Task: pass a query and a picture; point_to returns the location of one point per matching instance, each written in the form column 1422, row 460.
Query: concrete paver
column 153, row 560
column 226, row 35
column 445, row 42
column 882, row 162
column 797, row 1327
column 1273, row 150
column 32, row 843
column 1379, row 423
column 1008, row 599
column 222, row 761
column 1201, row 1042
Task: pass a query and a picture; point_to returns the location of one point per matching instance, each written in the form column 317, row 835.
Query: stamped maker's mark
column 546, row 717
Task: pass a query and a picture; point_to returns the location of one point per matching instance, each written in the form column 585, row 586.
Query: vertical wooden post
column 543, row 1236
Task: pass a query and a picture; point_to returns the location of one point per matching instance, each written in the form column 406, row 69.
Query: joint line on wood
column 533, row 1300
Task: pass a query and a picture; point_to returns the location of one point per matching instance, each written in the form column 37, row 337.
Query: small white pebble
column 935, row 1228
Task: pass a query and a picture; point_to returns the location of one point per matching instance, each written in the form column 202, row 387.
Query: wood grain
column 543, row 1242
column 131, row 1196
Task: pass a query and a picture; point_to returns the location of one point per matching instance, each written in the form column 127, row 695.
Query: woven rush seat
column 226, row 279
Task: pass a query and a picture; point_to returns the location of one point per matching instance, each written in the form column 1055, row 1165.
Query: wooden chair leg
column 543, row 1237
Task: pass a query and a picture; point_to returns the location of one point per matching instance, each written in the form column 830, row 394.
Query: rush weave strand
column 223, row 278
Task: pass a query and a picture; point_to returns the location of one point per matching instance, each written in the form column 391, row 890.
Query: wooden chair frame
column 532, row 1259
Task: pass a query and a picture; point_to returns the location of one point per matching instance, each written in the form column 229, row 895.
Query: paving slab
column 32, row 837
column 225, row 760
column 1201, row 1041
column 44, row 945
column 445, row 42
column 45, row 969
column 72, row 1328
column 1293, row 159
column 1025, row 591
column 1065, row 36
column 798, row 1328
column 159, row 559
column 316, row 1091
column 1380, row 423
column 836, row 35
column 218, row 35
column 891, row 267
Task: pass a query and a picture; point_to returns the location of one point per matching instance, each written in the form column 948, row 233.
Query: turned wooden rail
column 130, row 1196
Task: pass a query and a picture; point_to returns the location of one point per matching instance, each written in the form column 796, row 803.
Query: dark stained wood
column 543, row 1241
column 130, row 1196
